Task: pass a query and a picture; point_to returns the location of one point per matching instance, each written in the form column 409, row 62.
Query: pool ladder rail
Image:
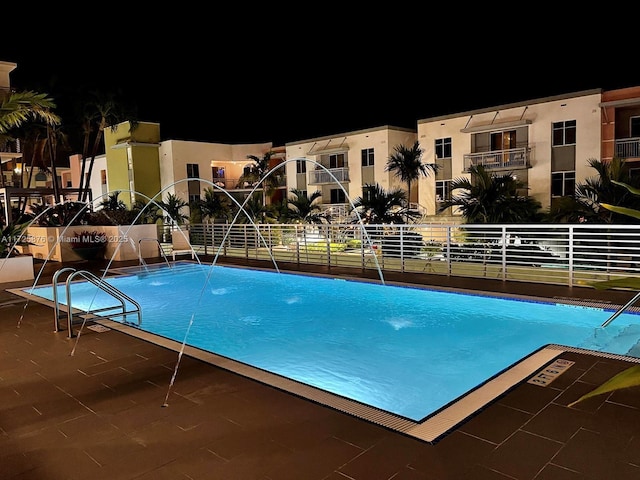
column 106, row 287
column 621, row 310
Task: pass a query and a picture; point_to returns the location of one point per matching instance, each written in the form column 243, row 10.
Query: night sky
column 284, row 86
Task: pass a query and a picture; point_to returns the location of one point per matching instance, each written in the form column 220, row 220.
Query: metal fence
column 553, row 254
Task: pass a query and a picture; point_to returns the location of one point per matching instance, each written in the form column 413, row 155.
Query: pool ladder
column 122, row 297
column 621, row 310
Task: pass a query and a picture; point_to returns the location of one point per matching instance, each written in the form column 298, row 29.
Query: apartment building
column 141, row 167
column 187, row 168
column 339, row 166
column 545, row 143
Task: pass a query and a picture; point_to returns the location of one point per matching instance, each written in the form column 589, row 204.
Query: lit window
column 443, row 190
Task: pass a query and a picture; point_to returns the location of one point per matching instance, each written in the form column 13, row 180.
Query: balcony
column 332, row 175
column 236, row 184
column 628, row 148
column 511, row 159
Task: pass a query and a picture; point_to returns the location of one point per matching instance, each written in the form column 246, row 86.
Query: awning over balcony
column 627, row 102
column 330, row 147
column 128, row 143
column 496, row 126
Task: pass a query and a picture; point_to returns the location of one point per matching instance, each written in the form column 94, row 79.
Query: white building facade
column 545, row 143
column 340, row 166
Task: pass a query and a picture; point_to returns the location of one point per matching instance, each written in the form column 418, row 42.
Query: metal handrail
column 105, row 287
column 141, row 259
column 56, row 311
column 621, row 310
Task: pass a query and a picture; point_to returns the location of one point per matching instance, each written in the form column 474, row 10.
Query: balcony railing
column 499, row 159
column 331, row 176
column 236, row 184
column 628, row 148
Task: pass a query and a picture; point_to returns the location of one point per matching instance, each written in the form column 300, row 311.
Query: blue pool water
column 408, row 351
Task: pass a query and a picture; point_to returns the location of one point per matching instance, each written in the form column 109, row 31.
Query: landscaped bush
column 321, row 247
column 409, row 244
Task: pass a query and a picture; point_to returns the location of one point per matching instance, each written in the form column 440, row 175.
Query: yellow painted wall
column 138, row 145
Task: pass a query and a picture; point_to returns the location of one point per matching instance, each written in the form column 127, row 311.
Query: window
column 336, row 160
column 443, row 190
column 634, row 127
column 367, row 157
column 193, row 186
column 194, row 199
column 103, row 177
column 193, row 170
column 338, row 196
column 563, row 184
column 301, row 166
column 564, row 133
column 367, row 192
column 443, row 147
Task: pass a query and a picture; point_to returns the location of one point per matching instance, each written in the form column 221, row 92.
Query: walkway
column 99, row 414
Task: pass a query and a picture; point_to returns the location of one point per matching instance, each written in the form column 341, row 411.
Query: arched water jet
column 322, row 167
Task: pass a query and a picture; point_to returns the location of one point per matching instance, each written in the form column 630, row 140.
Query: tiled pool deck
column 100, row 414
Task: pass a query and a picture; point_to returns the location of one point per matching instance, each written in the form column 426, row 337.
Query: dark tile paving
column 107, row 412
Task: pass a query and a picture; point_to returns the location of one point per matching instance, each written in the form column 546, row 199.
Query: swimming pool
column 398, row 353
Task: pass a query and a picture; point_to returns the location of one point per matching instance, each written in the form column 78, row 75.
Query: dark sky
column 285, row 86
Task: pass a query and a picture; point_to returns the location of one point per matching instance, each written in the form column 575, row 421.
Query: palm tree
column 380, row 206
column 112, row 202
column 304, row 208
column 406, row 163
column 98, row 112
column 172, row 209
column 214, row 205
column 606, row 188
column 259, row 171
column 19, row 107
column 254, row 211
column 491, row 198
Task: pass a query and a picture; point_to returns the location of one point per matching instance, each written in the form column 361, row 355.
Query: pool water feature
column 401, row 353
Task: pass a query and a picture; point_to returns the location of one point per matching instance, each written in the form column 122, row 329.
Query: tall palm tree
column 99, row 112
column 21, row 108
column 381, row 206
column 56, row 144
column 491, row 198
column 305, row 208
column 406, row 163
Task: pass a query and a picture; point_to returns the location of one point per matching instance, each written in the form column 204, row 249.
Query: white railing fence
column 554, row 254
